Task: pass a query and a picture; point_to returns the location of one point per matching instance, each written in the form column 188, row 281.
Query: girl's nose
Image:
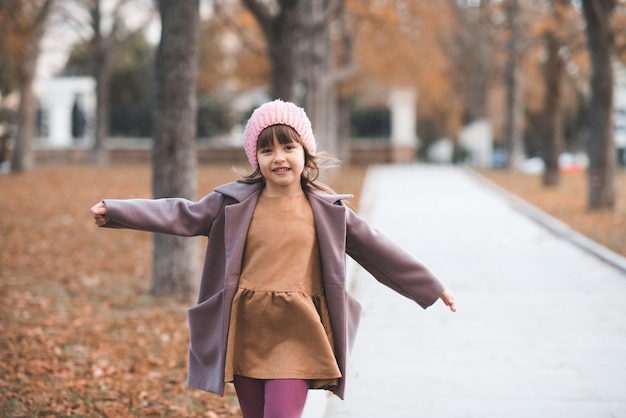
column 279, row 156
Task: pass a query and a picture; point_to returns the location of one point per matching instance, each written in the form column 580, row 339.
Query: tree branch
column 248, row 41
column 349, row 67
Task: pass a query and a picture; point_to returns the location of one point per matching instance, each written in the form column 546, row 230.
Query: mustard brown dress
column 279, row 324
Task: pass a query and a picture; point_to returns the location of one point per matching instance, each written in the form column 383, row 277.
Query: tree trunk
column 471, row 56
column 601, row 147
column 321, row 95
column 344, row 129
column 282, row 51
column 100, row 45
column 553, row 125
column 176, row 259
column 22, row 158
column 282, row 34
column 100, row 153
column 514, row 107
column 283, row 39
column 104, row 48
column 102, row 72
column 513, row 115
column 323, row 69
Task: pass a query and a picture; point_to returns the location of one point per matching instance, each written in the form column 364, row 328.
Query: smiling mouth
column 280, row 170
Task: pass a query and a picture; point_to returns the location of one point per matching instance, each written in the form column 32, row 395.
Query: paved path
column 541, row 324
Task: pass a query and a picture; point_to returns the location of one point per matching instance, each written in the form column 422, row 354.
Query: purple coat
column 224, row 216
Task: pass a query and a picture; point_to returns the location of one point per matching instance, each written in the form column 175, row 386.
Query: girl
column 273, row 313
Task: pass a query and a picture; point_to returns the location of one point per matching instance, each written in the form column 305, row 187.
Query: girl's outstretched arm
column 393, row 266
column 448, row 299
column 98, row 211
column 174, row 216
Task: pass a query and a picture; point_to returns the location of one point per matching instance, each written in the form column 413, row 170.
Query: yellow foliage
column 399, row 47
column 226, row 56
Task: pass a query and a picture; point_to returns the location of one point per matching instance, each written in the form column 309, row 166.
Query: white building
column 403, row 107
column 68, row 109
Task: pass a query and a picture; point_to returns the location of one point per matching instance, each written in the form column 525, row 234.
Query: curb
column 554, row 225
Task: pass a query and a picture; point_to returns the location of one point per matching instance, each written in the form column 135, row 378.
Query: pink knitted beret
column 277, row 113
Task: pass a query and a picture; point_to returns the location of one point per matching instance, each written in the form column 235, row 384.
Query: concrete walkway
column 541, row 324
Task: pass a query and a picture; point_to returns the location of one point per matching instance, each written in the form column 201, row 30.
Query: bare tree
column 600, row 146
column 322, row 70
column 103, row 29
column 176, row 260
column 555, row 42
column 282, row 28
column 24, row 24
column 104, row 45
column 513, row 78
column 470, row 50
column 103, row 48
column 310, row 53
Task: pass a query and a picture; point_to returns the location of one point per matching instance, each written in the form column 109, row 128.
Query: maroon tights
column 274, row 398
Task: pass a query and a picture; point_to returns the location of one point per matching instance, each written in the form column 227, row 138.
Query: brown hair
column 285, row 134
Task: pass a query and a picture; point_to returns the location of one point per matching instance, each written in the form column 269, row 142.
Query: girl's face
column 281, row 164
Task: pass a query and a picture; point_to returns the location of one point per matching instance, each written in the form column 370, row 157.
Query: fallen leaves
column 568, row 203
column 79, row 331
column 81, row 336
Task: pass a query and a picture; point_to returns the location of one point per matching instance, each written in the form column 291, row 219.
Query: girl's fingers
column 448, row 299
column 98, row 211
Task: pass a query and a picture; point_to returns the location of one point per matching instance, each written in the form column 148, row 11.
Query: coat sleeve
column 389, row 263
column 174, row 216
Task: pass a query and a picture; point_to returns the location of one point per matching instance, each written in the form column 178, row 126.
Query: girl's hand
column 98, row 211
column 448, row 299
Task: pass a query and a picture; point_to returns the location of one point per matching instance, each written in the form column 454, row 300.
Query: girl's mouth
column 280, row 170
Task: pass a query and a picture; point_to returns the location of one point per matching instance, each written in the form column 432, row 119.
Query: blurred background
column 503, row 84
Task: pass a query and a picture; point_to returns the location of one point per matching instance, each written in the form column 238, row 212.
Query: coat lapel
column 241, row 201
column 330, row 225
column 237, row 216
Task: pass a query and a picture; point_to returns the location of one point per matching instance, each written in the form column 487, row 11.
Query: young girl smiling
column 273, row 314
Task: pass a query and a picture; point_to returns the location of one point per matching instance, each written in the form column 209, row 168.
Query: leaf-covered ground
column 80, row 335
column 568, row 203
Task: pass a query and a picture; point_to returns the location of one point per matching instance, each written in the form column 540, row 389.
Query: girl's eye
column 289, row 147
column 265, row 150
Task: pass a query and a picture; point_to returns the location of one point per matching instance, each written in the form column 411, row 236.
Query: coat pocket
column 205, row 329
